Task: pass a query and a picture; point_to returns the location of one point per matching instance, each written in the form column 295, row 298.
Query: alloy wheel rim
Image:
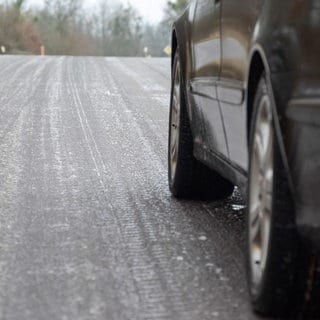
column 175, row 122
column 261, row 189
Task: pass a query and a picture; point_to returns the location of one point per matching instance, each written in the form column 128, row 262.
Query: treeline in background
column 64, row 27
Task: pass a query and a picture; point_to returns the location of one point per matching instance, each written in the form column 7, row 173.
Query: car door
column 238, row 20
column 206, row 64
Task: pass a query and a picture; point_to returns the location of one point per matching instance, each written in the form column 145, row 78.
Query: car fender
column 181, row 30
column 277, row 103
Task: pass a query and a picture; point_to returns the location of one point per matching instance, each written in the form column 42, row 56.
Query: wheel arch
column 174, row 46
column 256, row 68
column 181, row 31
column 259, row 65
column 180, row 41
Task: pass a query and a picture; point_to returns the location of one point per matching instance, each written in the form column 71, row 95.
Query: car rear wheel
column 188, row 178
column 278, row 267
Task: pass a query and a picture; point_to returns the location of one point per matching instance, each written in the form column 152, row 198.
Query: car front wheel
column 188, row 178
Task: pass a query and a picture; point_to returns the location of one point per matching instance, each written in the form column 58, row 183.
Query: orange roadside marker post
column 43, row 50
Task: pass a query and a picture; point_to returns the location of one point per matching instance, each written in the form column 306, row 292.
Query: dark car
column 245, row 111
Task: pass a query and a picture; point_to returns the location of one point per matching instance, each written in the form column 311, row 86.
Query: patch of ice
column 237, row 207
column 218, row 271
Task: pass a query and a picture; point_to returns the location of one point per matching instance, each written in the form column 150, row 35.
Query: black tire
column 190, row 179
column 282, row 286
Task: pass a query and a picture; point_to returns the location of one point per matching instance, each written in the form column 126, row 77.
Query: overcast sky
column 151, row 10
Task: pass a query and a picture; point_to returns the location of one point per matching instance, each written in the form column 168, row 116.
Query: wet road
column 88, row 227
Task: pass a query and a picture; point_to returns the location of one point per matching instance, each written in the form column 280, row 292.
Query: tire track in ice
column 145, row 260
column 13, row 105
column 101, row 168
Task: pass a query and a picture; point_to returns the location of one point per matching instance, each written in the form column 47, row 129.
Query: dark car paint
column 280, row 38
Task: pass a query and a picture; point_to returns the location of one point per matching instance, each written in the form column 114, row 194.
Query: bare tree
column 66, row 29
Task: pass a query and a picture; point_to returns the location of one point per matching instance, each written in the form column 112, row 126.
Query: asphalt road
column 88, row 229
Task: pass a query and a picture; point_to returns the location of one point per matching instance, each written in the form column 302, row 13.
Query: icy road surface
column 88, row 229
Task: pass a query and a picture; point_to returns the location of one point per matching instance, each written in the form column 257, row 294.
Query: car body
column 224, row 48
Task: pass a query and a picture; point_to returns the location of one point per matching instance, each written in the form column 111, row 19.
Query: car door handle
column 217, row 2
